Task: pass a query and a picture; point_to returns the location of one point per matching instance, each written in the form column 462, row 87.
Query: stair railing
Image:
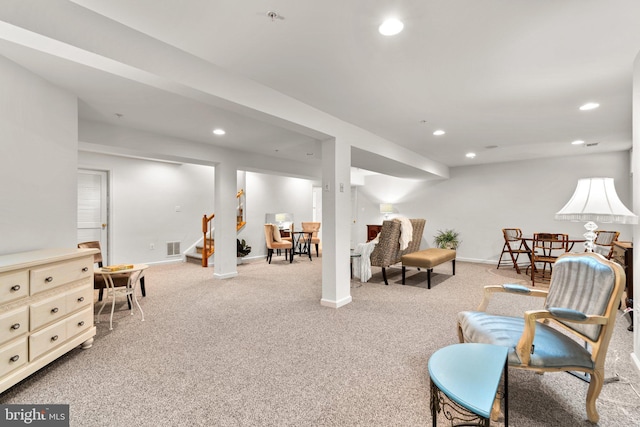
column 207, row 249
column 208, row 246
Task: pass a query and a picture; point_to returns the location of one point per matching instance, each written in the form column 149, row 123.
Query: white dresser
column 46, row 309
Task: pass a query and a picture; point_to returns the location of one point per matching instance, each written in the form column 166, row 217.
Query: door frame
column 105, row 234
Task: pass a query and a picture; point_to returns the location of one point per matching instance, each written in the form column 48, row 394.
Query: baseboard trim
column 225, row 276
column 336, row 304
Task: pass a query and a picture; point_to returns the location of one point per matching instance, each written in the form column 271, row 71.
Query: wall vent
column 173, row 248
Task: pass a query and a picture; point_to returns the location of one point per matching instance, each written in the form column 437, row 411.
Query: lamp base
column 590, row 235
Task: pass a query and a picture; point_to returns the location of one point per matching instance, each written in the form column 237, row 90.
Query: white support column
column 225, row 255
column 336, row 218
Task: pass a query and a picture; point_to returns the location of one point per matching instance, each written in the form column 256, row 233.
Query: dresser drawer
column 47, row 311
column 81, row 297
column 13, row 324
column 53, row 275
column 13, row 355
column 79, row 322
column 14, row 285
column 46, row 339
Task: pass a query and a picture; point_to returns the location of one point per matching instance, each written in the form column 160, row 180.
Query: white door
column 92, row 208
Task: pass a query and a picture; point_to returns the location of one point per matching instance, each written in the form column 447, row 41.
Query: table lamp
column 595, row 199
column 386, row 209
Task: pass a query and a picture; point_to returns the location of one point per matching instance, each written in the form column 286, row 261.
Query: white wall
column 143, row 199
column 38, row 162
column 479, row 201
column 272, row 194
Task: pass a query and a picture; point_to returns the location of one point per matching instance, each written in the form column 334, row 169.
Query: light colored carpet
column 259, row 350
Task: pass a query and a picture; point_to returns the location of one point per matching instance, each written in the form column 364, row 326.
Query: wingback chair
column 387, row 252
column 570, row 333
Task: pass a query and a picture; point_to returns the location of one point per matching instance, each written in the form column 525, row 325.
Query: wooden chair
column 313, row 227
column 275, row 242
column 514, row 245
column 604, row 242
column 546, row 249
column 571, row 332
column 118, row 280
column 387, row 252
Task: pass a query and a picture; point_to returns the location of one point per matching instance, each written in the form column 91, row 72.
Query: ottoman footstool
column 428, row 258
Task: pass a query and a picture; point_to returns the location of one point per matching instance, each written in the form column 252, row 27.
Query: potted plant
column 242, row 249
column 447, row 239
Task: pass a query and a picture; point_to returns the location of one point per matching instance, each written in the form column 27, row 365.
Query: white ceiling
column 503, row 78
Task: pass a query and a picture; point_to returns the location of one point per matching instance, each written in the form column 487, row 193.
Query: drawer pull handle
column 81, row 323
column 15, row 288
column 49, row 279
column 14, row 358
column 85, row 269
column 54, row 310
column 54, row 338
column 80, row 299
column 15, row 326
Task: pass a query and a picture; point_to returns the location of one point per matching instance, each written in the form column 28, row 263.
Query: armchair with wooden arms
column 570, row 333
column 387, row 252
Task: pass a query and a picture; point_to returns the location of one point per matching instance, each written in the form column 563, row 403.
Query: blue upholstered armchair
column 581, row 303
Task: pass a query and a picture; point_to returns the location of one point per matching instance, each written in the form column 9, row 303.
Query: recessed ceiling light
column 471, row 155
column 577, row 142
column 439, row 132
column 589, row 106
column 390, row 27
column 219, row 131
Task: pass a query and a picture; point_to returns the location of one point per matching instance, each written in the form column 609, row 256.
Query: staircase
column 207, row 244
column 196, row 256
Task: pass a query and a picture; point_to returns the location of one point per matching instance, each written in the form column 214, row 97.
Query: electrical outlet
column 152, row 246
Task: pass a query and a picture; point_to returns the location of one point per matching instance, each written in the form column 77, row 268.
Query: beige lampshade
column 386, row 208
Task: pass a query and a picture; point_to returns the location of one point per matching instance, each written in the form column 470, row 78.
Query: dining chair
column 514, row 246
column 118, row 280
column 312, row 227
column 604, row 242
column 546, row 248
column 569, row 332
column 275, row 242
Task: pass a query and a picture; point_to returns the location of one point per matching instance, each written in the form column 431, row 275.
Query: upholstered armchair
column 387, row 252
column 570, row 333
column 312, row 227
column 275, row 242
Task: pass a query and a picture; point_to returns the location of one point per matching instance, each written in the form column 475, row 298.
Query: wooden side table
column 372, row 231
